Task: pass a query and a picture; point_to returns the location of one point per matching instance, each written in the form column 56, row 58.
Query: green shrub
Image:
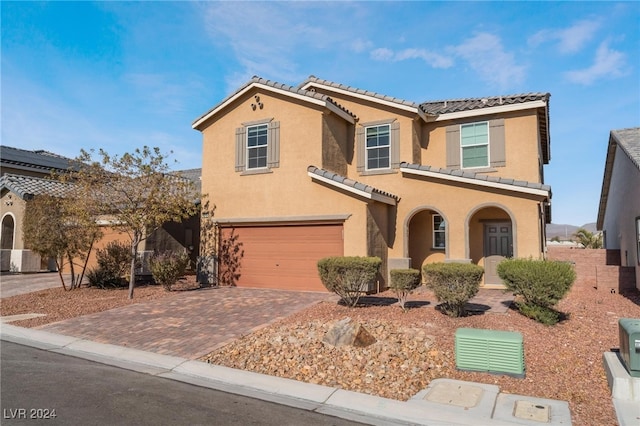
column 403, row 282
column 166, row 267
column 113, row 261
column 348, row 277
column 537, row 313
column 539, row 282
column 453, row 284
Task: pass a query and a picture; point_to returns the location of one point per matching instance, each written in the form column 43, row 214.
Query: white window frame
column 437, row 231
column 487, row 144
column 367, row 149
column 248, row 148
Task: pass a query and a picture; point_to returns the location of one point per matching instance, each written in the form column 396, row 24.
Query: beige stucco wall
column 14, row 205
column 522, row 146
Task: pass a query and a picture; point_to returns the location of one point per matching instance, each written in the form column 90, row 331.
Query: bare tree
column 136, row 193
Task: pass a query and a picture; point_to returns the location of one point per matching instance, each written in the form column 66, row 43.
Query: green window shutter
column 395, row 145
column 497, row 143
column 273, row 156
column 453, row 147
column 240, row 149
column 360, row 149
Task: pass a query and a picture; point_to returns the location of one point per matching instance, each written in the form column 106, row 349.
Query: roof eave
column 374, row 196
column 483, row 183
column 491, row 110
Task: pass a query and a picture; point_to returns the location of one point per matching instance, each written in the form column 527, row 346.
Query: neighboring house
column 323, row 169
column 619, row 211
column 26, row 174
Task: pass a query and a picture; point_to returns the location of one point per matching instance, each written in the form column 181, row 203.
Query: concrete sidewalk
column 15, row 284
column 444, row 402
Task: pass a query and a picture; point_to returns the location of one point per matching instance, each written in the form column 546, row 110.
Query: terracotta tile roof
column 314, row 79
column 349, row 182
column 478, row 176
column 41, row 160
column 27, row 187
column 457, row 105
column 280, row 86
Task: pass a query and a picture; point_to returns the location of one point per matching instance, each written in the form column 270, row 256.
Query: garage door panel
column 285, row 257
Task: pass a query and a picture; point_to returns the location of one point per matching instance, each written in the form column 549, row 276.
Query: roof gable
column 283, row 89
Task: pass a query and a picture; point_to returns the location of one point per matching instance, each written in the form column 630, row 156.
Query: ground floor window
column 439, row 231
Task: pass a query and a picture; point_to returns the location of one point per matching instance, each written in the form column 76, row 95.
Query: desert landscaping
column 562, row 362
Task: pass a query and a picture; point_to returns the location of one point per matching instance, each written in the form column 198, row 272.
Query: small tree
column 136, row 192
column 61, row 228
column 587, row 239
column 403, row 282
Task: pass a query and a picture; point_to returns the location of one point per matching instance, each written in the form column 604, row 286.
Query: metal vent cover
column 491, row 351
column 629, row 329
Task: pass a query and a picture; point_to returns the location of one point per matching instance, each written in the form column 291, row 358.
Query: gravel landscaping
column 562, row 362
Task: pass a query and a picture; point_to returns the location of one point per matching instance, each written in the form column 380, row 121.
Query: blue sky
column 120, row 75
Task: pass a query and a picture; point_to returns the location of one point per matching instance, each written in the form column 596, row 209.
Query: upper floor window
column 439, row 232
column 474, row 145
column 378, row 147
column 258, row 146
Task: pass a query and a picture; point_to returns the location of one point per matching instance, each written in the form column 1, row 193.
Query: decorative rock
column 348, row 332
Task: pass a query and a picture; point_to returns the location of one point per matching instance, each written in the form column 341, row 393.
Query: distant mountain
column 565, row 232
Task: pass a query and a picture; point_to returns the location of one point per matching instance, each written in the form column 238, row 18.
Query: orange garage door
column 285, row 257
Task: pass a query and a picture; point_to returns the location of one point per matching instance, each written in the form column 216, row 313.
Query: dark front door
column 498, row 244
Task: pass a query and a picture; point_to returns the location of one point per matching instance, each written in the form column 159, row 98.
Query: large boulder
column 348, row 332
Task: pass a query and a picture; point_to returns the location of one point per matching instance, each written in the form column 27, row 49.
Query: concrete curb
column 332, row 401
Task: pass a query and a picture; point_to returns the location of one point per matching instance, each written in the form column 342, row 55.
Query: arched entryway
column 8, row 232
column 427, row 239
column 490, row 239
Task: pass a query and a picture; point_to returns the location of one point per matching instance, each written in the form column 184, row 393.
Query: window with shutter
column 258, row 147
column 378, row 147
column 476, row 145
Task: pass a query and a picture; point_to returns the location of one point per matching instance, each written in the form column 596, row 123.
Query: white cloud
column 608, row 63
column 571, row 39
column 358, row 45
column 434, row 60
column 486, row 55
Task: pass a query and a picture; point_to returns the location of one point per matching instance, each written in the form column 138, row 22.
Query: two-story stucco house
column 322, row 169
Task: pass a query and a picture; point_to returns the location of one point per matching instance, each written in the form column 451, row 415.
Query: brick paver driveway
column 189, row 325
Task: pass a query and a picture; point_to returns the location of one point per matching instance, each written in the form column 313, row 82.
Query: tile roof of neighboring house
column 41, row 160
column 629, row 142
column 275, row 85
column 478, row 177
column 194, row 175
column 313, row 79
column 27, row 187
column 456, row 105
column 350, row 183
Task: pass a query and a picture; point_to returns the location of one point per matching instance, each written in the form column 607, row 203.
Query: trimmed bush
column 167, row 267
column 113, row 265
column 348, row 276
column 540, row 283
column 403, row 282
column 453, row 284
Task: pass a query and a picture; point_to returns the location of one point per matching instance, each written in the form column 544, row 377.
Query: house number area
column 29, row 413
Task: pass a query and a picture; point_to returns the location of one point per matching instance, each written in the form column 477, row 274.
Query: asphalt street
column 40, row 387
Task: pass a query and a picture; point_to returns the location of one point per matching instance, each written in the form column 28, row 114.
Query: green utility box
column 491, row 351
column 630, row 344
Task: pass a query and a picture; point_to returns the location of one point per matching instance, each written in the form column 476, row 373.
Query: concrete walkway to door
column 190, row 324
